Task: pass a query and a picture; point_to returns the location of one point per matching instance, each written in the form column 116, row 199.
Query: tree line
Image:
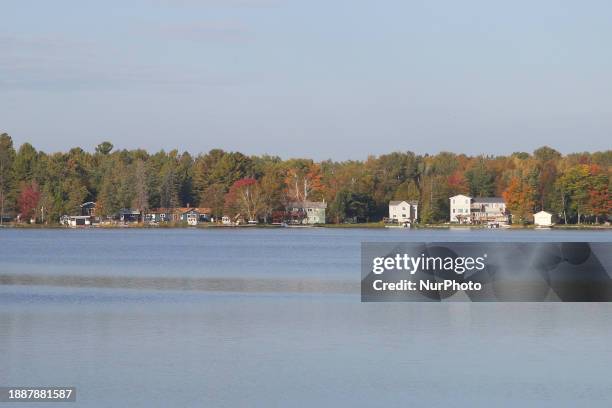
column 43, row 186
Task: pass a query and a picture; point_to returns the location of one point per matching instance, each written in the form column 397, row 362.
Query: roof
column 181, row 210
column 308, row 204
column 129, row 211
column 158, row 211
column 543, row 212
column 412, row 202
column 488, row 200
column 88, row 204
column 201, row 210
column 460, row 195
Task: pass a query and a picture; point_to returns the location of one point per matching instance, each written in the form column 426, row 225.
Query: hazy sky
column 320, row 79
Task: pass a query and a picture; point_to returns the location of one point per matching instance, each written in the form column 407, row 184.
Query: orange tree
column 519, row 198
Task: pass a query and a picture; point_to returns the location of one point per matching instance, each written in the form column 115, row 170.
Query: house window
column 453, row 210
column 453, row 201
column 404, row 208
column 403, row 215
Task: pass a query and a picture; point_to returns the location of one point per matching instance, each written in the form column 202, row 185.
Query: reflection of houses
column 476, row 210
column 306, row 212
column 403, row 211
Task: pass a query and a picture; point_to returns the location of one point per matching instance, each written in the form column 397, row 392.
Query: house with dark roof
column 129, row 215
column 195, row 215
column 88, row 208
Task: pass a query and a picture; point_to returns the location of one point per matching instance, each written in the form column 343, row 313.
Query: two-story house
column 469, row 210
column 488, row 209
column 403, row 211
column 460, row 206
column 306, row 212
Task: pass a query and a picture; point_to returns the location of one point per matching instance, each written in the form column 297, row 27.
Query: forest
column 43, row 186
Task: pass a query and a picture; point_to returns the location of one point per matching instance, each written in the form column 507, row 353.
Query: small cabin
column 129, row 215
column 543, row 219
column 157, row 215
column 88, row 208
column 75, row 220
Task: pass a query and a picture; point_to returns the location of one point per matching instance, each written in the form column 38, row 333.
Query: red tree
column 28, row 200
column 599, row 202
column 457, row 183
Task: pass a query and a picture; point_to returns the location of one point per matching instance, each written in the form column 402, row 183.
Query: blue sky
column 320, row 79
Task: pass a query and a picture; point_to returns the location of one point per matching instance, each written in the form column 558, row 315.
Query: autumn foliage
column 244, row 199
column 519, row 197
column 575, row 187
column 28, row 200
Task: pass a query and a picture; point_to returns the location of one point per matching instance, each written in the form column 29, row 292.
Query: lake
column 272, row 317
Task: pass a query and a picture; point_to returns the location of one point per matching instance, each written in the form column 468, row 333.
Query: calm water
column 159, row 318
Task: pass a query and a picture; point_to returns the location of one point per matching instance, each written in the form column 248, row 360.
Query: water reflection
column 188, row 284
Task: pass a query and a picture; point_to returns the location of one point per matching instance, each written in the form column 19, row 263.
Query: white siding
column 403, row 212
column 459, row 206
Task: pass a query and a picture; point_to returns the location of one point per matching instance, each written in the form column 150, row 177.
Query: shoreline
column 377, row 225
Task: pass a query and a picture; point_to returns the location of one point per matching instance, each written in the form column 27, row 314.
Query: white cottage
column 543, row 219
column 403, row 211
